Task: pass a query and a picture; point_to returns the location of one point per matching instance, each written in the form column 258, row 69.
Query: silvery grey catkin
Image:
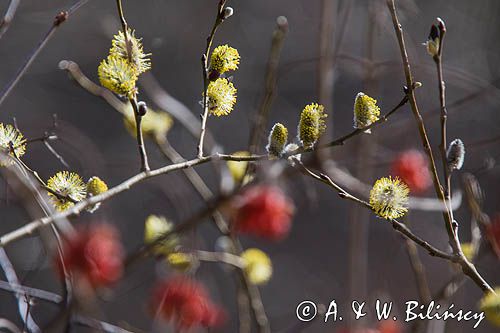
column 455, row 155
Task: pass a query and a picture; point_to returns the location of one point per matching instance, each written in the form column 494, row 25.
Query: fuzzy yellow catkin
column 366, row 111
column 68, row 185
column 116, row 74
column 389, row 198
column 9, row 134
column 133, row 51
column 277, row 140
column 221, row 97
column 224, row 58
column 311, row 124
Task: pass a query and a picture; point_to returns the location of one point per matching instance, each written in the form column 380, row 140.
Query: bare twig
column 260, row 121
column 31, row 227
column 9, row 15
column 59, row 19
column 204, row 64
column 450, row 225
column 398, row 226
column 22, row 300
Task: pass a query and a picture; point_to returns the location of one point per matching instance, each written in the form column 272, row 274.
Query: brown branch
column 260, row 122
column 59, row 19
column 467, row 267
column 31, row 227
column 396, row 225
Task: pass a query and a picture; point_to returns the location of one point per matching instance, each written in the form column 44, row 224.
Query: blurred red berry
column 95, row 254
column 264, row 211
column 412, row 167
column 493, row 234
column 389, row 326
column 185, row 302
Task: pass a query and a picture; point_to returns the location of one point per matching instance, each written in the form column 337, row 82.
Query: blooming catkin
column 455, row 155
column 132, row 51
column 277, row 140
column 224, row 58
column 263, row 211
column 68, row 187
column 258, row 266
column 118, row 75
column 186, row 303
column 366, row 111
column 221, row 97
column 311, row 124
column 9, row 134
column 389, row 198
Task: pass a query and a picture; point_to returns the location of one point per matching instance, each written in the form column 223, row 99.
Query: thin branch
column 260, row 122
column 58, row 21
column 204, row 64
column 31, row 227
column 31, row 292
column 222, row 257
column 396, row 225
column 9, row 15
column 140, row 137
column 22, row 300
column 450, row 225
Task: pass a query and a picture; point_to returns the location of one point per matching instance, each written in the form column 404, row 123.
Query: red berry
column 412, row 167
column 264, row 211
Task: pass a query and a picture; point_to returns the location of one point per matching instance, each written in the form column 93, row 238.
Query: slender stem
column 9, row 15
column 31, row 227
column 260, row 122
column 140, row 137
column 223, row 257
column 454, row 241
column 59, row 19
column 204, row 64
column 438, row 59
column 398, row 226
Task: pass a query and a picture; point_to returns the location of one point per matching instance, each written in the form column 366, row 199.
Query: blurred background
column 333, row 50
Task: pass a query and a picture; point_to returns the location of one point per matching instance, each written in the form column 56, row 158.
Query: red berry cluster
column 185, row 302
column 412, row 167
column 263, row 211
column 94, row 254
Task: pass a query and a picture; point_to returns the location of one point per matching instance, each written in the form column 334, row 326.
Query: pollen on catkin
column 8, row 134
column 118, row 75
column 366, row 111
column 455, row 155
column 68, row 185
column 257, row 266
column 96, row 186
column 311, row 124
column 389, row 198
column 133, row 52
column 490, row 304
column 221, row 97
column 224, row 58
column 277, row 140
